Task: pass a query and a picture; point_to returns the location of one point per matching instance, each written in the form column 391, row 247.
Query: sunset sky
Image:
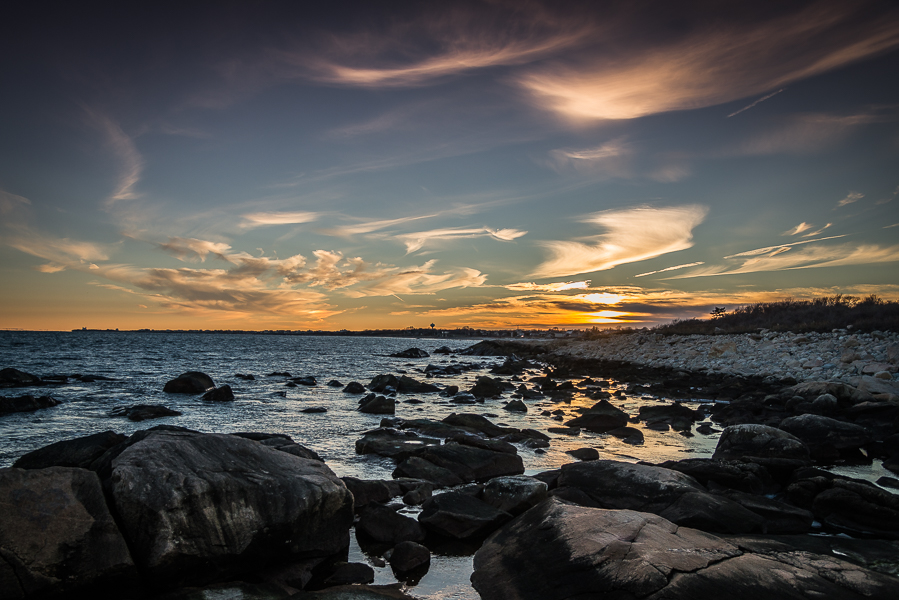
column 334, row 165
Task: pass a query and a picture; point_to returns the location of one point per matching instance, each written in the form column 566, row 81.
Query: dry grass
column 799, row 316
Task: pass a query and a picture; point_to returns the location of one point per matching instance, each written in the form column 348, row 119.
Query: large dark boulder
column 392, row 443
column 407, row 385
column 488, row 387
column 470, row 463
column 671, row 494
column 366, row 491
column 197, row 507
column 597, row 423
column 411, row 353
column 760, row 441
column 826, row 437
column 25, row 403
column 143, row 412
column 222, row 393
column 420, row 468
column 381, row 382
column 409, row 556
column 354, row 387
column 778, row 517
column 377, row 405
column 10, row 377
column 718, row 474
column 460, row 516
column 57, row 535
column 858, row 508
column 486, row 348
column 558, row 551
column 477, row 423
column 77, row 452
column 514, row 494
column 192, row 382
column 384, row 524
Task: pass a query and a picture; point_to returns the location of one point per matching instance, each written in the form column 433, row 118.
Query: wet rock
column 486, row 348
column 77, row 452
column 26, row 403
column 411, row 353
column 389, row 442
column 464, row 398
column 778, row 517
column 407, row 385
column 558, row 551
column 245, row 376
column 192, row 382
column 488, row 387
column 477, row 423
column 409, row 556
column 460, row 516
column 584, row 453
column 334, row 383
column 420, row 468
column 237, row 505
column 597, row 422
column 10, row 377
column 710, row 512
column 494, row 445
column 143, row 412
column 384, row 524
column 826, row 437
column 449, row 391
column 718, row 474
column 841, row 391
column 470, row 463
column 379, row 383
column 314, row 410
column 630, row 435
column 354, row 387
column 377, row 405
column 739, row 441
column 675, row 414
column 308, row 380
column 515, row 406
column 223, row 393
column 360, row 592
column 443, row 350
column 515, row 494
column 278, row 374
column 57, row 535
column 366, row 491
column 858, row 508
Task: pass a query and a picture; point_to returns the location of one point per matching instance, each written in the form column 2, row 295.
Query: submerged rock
column 26, row 403
column 143, row 412
column 10, row 377
column 222, row 393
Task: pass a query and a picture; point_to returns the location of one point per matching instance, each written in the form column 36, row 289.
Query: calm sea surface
column 139, row 364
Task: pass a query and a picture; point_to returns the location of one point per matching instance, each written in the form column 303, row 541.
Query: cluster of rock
column 839, row 354
column 164, row 508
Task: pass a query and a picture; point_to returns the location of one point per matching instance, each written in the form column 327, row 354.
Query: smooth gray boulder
column 196, row 507
column 57, row 534
column 559, row 551
column 760, row 441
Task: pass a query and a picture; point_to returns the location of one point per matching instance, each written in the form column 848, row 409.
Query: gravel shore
column 840, row 354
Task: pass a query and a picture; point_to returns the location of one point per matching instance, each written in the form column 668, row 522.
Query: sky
column 325, row 166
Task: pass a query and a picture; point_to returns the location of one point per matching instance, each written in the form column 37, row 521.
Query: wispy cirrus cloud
column 194, row 249
column 798, row 229
column 260, row 219
column 807, row 133
column 548, row 287
column 125, row 150
column 851, row 198
column 416, row 241
column 784, row 258
column 632, row 235
column 674, row 268
column 712, row 64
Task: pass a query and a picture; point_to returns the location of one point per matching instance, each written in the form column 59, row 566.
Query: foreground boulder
column 57, row 534
column 192, row 382
column 559, row 551
column 460, row 516
column 26, row 403
column 196, row 507
column 826, row 437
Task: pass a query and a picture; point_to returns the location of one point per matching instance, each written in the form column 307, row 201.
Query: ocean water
column 139, row 364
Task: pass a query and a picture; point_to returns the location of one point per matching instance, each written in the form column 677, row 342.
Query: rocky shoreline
column 168, row 512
